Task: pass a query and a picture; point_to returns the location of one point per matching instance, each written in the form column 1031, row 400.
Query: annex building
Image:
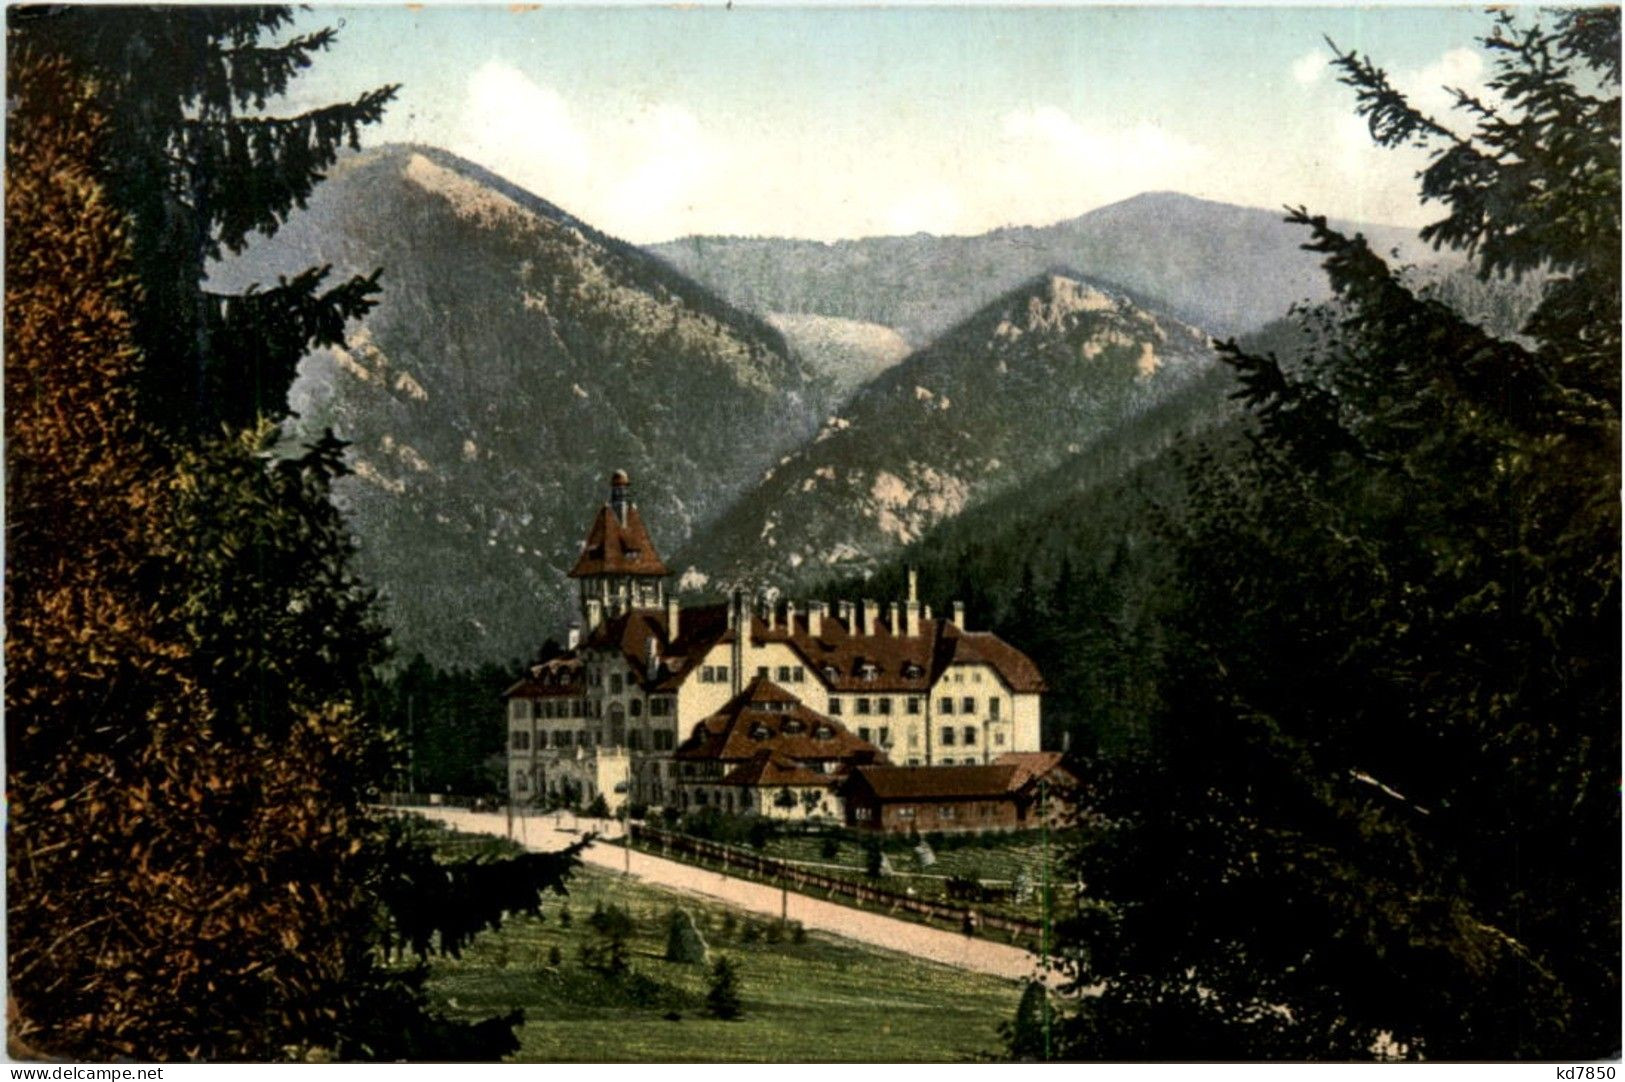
column 738, row 703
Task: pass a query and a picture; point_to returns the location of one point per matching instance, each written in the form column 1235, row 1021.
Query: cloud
column 1310, row 68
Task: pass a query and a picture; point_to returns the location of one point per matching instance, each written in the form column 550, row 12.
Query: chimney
column 815, row 618
column 913, row 586
column 572, row 637
column 790, row 617
column 620, row 494
column 672, row 612
column 651, row 659
column 770, row 612
column 895, row 612
column 595, row 613
column 870, row 611
column 926, row 612
column 959, row 615
column 844, row 608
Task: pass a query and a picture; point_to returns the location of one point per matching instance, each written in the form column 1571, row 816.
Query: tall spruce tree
column 193, row 869
column 1380, row 815
column 197, row 161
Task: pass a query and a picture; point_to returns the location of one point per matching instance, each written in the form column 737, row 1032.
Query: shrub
column 684, row 943
column 555, row 957
column 722, row 1000
column 598, row 809
column 831, row 848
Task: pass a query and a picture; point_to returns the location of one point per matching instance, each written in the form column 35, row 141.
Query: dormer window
column 824, row 732
column 794, row 726
column 869, row 670
column 831, row 674
column 912, row 671
column 759, row 732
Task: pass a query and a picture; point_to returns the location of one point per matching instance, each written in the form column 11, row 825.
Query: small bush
column 565, row 919
column 775, row 932
column 598, row 809
column 751, row 934
column 722, row 1000
column 798, row 932
column 830, row 849
column 684, row 944
column 555, row 957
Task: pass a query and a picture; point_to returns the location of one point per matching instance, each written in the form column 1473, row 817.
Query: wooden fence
column 1018, row 931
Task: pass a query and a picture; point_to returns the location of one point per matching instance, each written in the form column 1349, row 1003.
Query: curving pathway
column 545, row 833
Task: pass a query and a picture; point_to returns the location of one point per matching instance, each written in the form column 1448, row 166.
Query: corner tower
column 618, row 568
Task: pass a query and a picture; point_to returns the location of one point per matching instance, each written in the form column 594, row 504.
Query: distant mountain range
column 1225, row 268
column 516, row 358
column 999, row 399
column 789, row 411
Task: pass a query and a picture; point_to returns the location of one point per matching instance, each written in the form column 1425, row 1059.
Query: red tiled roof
column 901, row 663
column 1033, row 765
column 614, row 547
column 994, row 781
column 766, row 717
column 767, row 768
column 560, row 677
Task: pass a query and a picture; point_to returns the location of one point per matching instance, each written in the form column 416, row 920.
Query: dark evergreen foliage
column 1378, row 812
column 199, row 165
column 722, row 999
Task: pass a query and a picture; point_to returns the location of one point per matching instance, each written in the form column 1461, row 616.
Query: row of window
column 785, row 674
column 577, row 708
column 658, row 740
column 864, row 705
column 714, row 674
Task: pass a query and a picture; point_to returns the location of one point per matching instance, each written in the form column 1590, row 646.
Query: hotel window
column 835, row 706
column 784, row 674
column 722, row 674
column 863, row 733
column 884, row 706
column 976, row 677
column 798, row 675
column 905, row 813
column 885, row 737
column 913, row 706
column 637, row 708
column 583, row 738
column 967, row 705
column 993, row 708
column 913, row 739
column 634, row 740
column 998, row 738
column 663, row 740
column 947, row 736
column 946, row 706
column 914, row 762
column 615, row 683
column 863, row 813
column 561, row 739
column 520, row 782
column 761, row 671
column 947, row 811
column 863, row 706
column 521, row 740
column 970, row 735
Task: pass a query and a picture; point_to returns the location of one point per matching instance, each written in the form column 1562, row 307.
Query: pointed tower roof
column 618, row 543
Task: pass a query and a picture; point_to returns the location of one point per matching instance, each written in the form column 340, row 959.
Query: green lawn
column 994, row 858
column 818, row 999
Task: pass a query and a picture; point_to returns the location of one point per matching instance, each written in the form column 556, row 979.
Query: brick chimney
column 959, row 615
column 894, row 612
column 673, row 611
column 790, row 617
column 815, row 618
column 844, row 610
column 871, row 610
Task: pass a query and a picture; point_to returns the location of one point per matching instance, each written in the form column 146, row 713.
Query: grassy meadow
column 805, row 996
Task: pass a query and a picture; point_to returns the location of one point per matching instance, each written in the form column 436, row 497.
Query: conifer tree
column 195, row 157
column 1379, row 815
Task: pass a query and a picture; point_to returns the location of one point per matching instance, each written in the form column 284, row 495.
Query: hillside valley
column 1226, row 268
column 516, row 356
column 1030, row 380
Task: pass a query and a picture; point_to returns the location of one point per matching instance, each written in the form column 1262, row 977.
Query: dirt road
column 544, row 833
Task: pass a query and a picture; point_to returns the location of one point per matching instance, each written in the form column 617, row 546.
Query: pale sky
column 652, row 123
